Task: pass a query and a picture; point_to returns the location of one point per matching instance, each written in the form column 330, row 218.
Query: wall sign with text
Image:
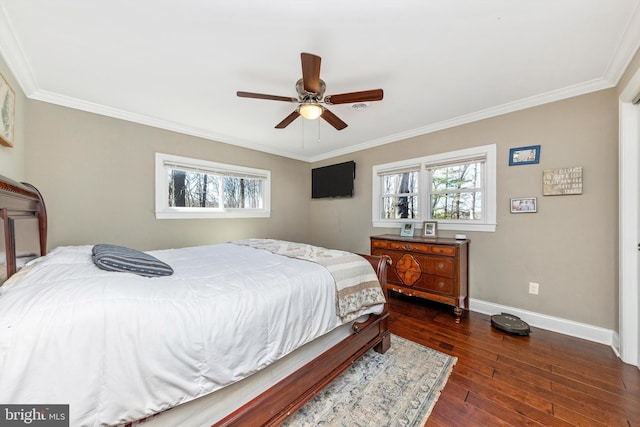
column 562, row 181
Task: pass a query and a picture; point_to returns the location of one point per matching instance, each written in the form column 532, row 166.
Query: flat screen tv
column 333, row 181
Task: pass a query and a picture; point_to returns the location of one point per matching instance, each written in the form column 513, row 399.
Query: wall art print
column 562, row 181
column 7, row 112
column 524, row 155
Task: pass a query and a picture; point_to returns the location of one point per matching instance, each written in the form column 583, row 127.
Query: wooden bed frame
column 22, row 203
column 24, row 219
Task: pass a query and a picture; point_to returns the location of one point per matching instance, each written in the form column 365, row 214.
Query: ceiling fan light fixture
column 310, row 111
column 311, row 90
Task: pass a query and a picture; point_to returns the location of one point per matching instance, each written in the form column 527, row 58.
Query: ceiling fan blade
column 310, row 72
column 287, row 120
column 352, row 97
column 333, row 120
column 263, row 96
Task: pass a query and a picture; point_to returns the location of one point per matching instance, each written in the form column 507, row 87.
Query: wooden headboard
column 24, row 225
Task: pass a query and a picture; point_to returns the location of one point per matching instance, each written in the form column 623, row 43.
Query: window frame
column 164, row 211
column 489, row 189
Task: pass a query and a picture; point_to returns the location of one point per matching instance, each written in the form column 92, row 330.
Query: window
column 457, row 189
column 192, row 188
column 400, row 196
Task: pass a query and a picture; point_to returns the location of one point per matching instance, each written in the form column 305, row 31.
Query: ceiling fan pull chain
column 318, row 130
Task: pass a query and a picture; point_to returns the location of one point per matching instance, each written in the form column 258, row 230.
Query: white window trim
column 488, row 224
column 164, row 211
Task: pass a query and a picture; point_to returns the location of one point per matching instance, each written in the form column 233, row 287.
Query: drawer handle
column 441, row 284
column 441, row 265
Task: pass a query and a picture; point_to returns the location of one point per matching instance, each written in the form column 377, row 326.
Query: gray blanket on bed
column 356, row 282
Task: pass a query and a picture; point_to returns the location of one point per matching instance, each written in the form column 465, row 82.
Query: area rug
column 398, row 388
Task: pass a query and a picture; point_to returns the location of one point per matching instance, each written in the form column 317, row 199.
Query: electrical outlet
column 533, row 288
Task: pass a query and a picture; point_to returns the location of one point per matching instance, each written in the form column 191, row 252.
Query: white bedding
column 119, row 347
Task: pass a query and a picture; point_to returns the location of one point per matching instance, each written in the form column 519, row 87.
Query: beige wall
column 13, row 159
column 569, row 246
column 97, row 176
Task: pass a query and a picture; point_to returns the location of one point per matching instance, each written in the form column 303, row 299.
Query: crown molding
column 14, row 56
column 557, row 95
column 533, row 101
column 627, row 48
column 89, row 107
column 18, row 63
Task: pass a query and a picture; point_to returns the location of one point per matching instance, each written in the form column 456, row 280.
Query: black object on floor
column 510, row 323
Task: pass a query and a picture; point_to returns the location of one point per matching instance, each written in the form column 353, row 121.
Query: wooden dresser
column 432, row 268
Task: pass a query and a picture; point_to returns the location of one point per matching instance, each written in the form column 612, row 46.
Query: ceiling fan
column 310, row 90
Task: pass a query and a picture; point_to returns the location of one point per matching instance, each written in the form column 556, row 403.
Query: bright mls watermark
column 34, row 415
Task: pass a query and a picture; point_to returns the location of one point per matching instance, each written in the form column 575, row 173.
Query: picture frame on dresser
column 407, row 228
column 430, row 229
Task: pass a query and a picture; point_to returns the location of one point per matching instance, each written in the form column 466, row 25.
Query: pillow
column 119, row 258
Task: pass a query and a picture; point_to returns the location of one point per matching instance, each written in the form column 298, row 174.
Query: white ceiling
column 178, row 64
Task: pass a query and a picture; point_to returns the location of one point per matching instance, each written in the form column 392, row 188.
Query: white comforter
column 119, row 347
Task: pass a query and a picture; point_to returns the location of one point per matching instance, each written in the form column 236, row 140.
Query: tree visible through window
column 200, row 189
column 400, row 195
column 457, row 189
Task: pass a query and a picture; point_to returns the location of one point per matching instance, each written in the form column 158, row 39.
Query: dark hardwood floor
column 545, row 379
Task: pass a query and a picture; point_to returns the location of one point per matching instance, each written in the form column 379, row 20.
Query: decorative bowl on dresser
column 433, row 268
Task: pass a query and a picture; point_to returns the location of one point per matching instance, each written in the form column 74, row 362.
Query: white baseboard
column 550, row 323
column 615, row 345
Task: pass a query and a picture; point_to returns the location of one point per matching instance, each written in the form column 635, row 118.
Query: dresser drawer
column 386, row 244
column 441, row 285
column 426, row 248
column 441, row 266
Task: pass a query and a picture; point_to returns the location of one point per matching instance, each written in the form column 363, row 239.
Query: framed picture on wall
column 524, row 205
column 524, row 155
column 407, row 229
column 7, row 112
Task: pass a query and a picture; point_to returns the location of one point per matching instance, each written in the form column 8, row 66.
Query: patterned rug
column 398, row 388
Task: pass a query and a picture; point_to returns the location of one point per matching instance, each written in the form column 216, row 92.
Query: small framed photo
column 430, row 229
column 524, row 205
column 524, row 155
column 407, row 229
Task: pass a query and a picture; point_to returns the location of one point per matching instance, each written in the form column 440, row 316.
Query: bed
column 137, row 362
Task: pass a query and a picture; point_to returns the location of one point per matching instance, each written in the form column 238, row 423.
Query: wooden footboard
column 276, row 404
